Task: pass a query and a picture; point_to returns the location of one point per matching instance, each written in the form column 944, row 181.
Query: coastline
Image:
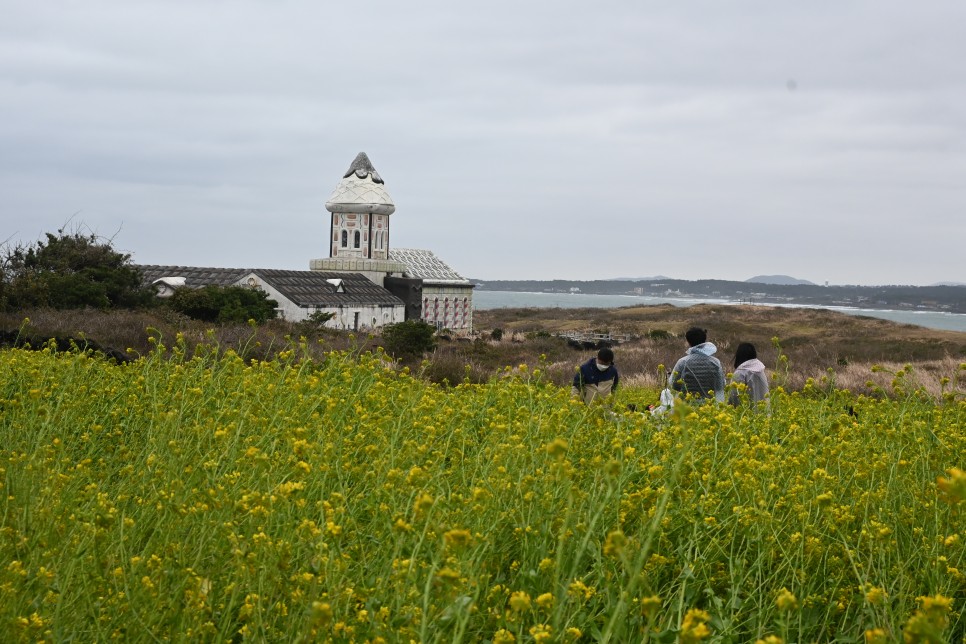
column 493, row 299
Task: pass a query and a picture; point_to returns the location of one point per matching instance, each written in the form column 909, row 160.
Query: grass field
column 194, row 498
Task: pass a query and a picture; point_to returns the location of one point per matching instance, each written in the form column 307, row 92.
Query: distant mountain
column 949, row 284
column 781, row 280
column 640, row 279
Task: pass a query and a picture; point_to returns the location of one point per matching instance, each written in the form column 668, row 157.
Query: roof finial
column 363, row 168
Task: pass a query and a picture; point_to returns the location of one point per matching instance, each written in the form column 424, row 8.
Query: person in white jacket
column 750, row 372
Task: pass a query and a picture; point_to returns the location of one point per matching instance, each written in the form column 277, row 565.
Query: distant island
column 950, row 299
column 783, row 280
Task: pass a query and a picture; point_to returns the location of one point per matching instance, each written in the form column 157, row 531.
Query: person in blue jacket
column 597, row 378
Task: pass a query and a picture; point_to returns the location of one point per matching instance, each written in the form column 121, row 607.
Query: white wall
column 370, row 317
column 448, row 306
column 345, row 316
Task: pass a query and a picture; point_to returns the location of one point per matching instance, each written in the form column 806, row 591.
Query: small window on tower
column 345, row 239
column 358, row 239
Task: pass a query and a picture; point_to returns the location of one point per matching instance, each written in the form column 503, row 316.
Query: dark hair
column 744, row 353
column 696, row 336
column 606, row 355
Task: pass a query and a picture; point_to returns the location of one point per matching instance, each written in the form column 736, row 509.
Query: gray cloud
column 519, row 140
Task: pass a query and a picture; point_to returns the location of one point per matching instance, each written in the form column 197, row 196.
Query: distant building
column 363, row 283
column 360, row 208
column 355, row 302
column 447, row 296
column 359, row 235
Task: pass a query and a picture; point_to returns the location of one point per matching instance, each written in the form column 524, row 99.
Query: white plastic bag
column 667, row 402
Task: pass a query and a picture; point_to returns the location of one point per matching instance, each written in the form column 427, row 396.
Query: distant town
column 950, row 299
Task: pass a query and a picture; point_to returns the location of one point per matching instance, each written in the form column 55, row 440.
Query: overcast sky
column 825, row 140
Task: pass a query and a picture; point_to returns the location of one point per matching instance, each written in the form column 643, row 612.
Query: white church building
column 364, row 282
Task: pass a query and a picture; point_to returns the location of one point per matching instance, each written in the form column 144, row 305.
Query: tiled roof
column 313, row 288
column 304, row 288
column 426, row 266
column 195, row 276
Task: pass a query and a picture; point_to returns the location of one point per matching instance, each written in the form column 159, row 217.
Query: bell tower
column 359, row 210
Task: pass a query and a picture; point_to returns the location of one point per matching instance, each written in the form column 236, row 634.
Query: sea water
column 515, row 299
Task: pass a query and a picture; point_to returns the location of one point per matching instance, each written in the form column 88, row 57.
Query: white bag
column 667, row 401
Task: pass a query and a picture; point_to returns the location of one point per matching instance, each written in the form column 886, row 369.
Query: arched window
column 358, row 239
column 345, row 239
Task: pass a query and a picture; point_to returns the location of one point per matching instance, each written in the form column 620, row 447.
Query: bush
column 496, row 334
column 70, row 271
column 408, row 338
column 314, row 324
column 224, row 304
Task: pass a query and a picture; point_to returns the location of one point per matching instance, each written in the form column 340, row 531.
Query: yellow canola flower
column 929, row 623
column 580, row 590
column 503, row 636
column 520, row 601
column 694, row 627
column 321, row 613
column 615, row 543
column 545, row 601
column 288, row 487
column 541, row 633
column 457, row 538
column 953, row 487
column 650, row 605
column 875, row 595
column 448, row 576
column 876, row 636
column 557, row 447
column 423, row 503
column 786, row 600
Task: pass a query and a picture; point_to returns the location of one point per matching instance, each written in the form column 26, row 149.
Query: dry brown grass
column 813, row 340
column 130, row 332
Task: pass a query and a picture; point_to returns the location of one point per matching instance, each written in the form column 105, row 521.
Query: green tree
column 70, row 270
column 224, row 304
column 408, row 338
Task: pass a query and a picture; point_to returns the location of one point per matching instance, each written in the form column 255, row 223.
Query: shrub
column 408, row 338
column 224, row 304
column 70, row 271
column 315, row 323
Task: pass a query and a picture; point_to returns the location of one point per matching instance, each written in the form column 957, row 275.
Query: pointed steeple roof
column 362, row 167
column 361, row 190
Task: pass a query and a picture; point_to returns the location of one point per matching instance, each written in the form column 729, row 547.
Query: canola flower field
column 195, row 498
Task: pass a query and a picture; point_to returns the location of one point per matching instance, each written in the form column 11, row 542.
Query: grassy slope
column 814, row 340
